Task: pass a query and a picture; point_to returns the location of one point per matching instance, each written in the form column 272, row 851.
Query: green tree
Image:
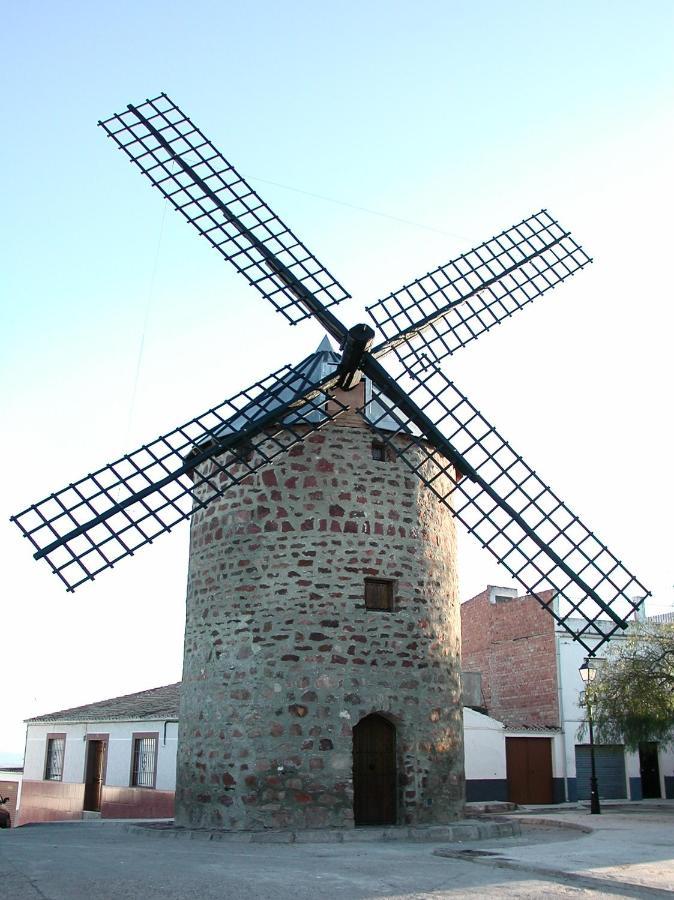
column 632, row 695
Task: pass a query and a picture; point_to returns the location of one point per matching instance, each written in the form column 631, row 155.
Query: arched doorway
column 374, row 771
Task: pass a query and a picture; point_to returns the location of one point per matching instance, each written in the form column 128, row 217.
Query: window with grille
column 144, row 761
column 378, row 594
column 56, row 745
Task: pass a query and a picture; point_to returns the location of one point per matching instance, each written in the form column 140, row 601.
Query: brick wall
column 282, row 659
column 512, row 643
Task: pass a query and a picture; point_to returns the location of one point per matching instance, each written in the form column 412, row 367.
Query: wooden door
column 93, row 783
column 529, row 770
column 374, row 772
column 649, row 770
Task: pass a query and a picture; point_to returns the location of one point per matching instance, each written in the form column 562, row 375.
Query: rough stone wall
column 512, row 643
column 282, row 658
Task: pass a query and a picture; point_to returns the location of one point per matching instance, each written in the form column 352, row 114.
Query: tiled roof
column 157, row 703
column 534, row 729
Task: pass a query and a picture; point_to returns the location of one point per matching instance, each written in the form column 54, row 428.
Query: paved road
column 627, row 854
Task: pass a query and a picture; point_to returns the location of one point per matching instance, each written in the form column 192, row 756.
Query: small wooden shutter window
column 378, row 594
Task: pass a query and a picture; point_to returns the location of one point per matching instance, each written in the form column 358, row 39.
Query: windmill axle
column 356, row 344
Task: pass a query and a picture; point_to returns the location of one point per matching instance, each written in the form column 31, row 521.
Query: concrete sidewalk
column 625, row 852
column 629, row 848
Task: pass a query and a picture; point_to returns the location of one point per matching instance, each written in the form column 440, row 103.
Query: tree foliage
column 632, row 696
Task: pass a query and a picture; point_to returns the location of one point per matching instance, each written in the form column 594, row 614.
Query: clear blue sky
column 458, row 118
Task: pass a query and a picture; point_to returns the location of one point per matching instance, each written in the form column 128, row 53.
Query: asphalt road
column 628, row 853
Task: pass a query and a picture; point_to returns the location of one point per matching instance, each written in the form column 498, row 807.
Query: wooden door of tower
column 93, row 779
column 374, row 771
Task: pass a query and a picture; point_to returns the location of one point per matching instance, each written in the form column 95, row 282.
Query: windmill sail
column 501, row 500
column 105, row 516
column 434, row 316
column 92, row 523
column 206, row 189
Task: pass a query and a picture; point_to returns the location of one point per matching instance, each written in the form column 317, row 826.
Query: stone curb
column 462, row 831
column 557, row 823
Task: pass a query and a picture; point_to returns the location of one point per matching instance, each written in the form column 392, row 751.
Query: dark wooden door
column 94, row 775
column 374, row 772
column 649, row 769
column 529, row 770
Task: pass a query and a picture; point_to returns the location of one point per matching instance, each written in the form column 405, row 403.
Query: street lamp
column 588, row 672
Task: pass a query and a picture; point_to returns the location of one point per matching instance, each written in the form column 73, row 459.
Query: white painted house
column 621, row 773
column 114, row 759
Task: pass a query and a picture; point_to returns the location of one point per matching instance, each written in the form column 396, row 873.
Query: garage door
column 529, row 769
column 610, row 766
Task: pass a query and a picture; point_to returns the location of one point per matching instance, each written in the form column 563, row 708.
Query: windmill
column 413, row 407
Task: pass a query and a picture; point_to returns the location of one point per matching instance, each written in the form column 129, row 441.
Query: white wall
column 570, row 656
column 666, row 760
column 118, row 768
column 13, row 776
column 36, row 747
column 484, row 746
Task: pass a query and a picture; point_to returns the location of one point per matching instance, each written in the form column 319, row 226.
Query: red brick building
column 511, row 642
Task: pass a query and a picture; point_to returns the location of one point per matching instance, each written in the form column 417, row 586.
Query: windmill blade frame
column 180, row 161
column 93, row 523
column 109, row 514
column 431, row 318
column 501, row 500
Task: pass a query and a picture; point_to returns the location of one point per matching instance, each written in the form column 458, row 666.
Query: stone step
column 462, row 830
column 495, row 807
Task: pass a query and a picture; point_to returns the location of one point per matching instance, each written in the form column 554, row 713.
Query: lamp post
column 588, row 672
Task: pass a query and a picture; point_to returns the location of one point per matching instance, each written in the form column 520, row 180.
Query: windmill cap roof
column 308, row 373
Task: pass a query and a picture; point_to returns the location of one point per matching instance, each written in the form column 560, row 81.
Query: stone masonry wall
column 512, row 643
column 282, row 658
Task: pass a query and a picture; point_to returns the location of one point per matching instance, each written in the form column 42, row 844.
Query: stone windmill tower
column 321, row 679
column 322, row 660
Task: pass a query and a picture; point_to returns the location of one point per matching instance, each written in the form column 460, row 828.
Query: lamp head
column 588, row 671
